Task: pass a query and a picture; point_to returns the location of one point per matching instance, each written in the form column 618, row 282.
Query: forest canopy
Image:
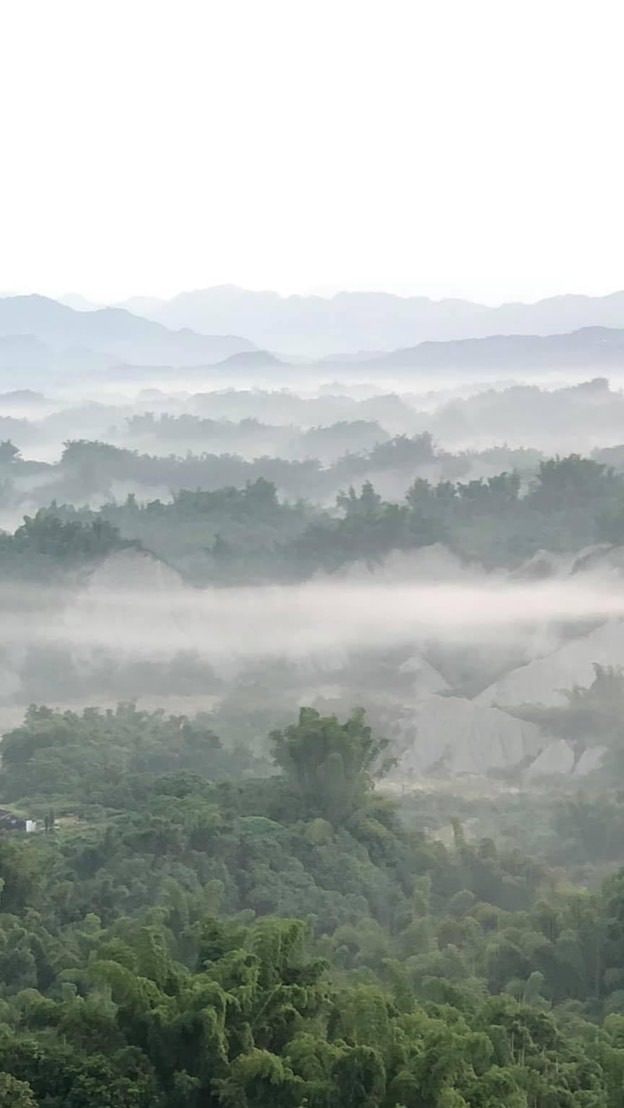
column 186, row 932
column 250, row 535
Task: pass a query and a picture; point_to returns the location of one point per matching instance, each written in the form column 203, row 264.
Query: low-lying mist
column 421, row 627
column 317, row 624
column 317, row 619
column 285, row 418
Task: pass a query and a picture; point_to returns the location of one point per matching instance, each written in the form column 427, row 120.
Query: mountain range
column 316, row 326
column 37, row 332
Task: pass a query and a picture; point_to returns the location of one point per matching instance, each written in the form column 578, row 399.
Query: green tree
column 331, row 766
column 14, row 1093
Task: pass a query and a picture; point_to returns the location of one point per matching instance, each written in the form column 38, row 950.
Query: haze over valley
column 311, row 555
column 196, row 524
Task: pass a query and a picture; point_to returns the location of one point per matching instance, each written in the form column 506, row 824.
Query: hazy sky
column 449, row 147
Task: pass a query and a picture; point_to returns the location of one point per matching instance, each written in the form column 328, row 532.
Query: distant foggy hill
column 251, row 359
column 39, row 334
column 36, row 332
column 589, row 348
column 315, row 326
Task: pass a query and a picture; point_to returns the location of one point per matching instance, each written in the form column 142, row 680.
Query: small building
column 9, row 821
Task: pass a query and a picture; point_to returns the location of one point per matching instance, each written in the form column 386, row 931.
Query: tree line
column 249, row 535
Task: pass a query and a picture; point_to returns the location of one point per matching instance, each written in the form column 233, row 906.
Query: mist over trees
column 311, row 702
column 236, row 535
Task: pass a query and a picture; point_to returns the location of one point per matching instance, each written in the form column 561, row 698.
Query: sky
column 439, row 147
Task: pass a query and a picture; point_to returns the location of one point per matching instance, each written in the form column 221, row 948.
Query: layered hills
column 37, row 332
column 315, row 326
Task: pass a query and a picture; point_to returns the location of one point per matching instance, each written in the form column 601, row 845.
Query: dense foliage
column 248, row 535
column 46, row 544
column 183, row 932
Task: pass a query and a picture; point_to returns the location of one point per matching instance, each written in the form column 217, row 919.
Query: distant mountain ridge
column 38, row 334
column 588, row 348
column 41, row 331
column 315, row 326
